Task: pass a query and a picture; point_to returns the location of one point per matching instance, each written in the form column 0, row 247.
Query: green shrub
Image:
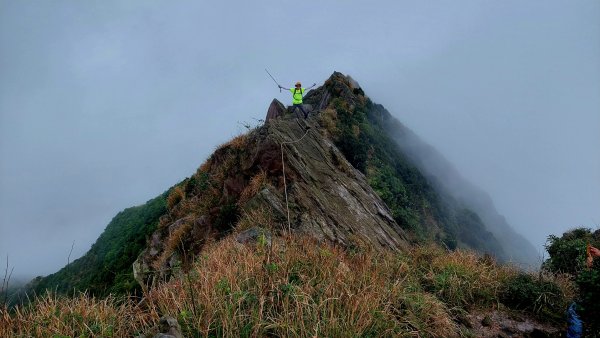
column 588, row 282
column 460, row 278
column 568, row 254
column 106, row 267
column 539, row 295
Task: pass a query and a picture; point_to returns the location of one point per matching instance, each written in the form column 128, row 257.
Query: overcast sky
column 106, row 104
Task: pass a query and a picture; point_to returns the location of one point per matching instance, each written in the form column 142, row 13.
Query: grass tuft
column 256, row 183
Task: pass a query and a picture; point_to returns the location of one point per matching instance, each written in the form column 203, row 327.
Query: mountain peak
column 354, row 176
column 243, row 183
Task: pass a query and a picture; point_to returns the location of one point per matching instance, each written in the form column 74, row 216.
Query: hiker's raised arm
column 314, row 84
column 282, row 87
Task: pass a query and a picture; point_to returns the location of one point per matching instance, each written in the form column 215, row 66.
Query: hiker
column 297, row 93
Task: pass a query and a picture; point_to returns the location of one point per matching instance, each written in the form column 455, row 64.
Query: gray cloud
column 104, row 105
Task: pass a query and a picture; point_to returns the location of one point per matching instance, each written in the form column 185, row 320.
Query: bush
column 540, row 296
column 568, row 254
column 461, row 278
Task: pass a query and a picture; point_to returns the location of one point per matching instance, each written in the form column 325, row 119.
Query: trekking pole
column 277, row 83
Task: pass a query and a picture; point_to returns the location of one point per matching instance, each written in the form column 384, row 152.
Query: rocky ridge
column 327, row 197
column 348, row 181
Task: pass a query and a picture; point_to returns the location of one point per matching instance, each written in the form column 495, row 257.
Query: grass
column 254, row 186
column 176, row 196
column 462, row 277
column 257, row 217
column 299, row 288
column 238, row 142
column 81, row 316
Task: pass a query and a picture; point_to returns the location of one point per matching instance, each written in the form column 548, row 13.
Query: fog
column 106, row 104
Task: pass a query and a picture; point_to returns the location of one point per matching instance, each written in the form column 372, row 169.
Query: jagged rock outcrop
column 276, row 109
column 331, row 199
column 327, row 197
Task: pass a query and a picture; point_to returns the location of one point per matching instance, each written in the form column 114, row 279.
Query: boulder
column 169, row 328
column 291, row 110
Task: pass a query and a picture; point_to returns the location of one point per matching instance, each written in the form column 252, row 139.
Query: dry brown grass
column 253, row 187
column 329, row 120
column 564, row 281
column 239, row 142
column 82, row 316
column 305, row 289
column 422, row 314
column 174, row 243
column 299, row 288
column 257, row 217
column 176, row 196
column 204, row 168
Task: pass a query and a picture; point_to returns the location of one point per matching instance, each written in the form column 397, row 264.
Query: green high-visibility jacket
column 297, row 95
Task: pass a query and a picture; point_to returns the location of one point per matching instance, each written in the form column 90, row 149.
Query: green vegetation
column 358, row 128
column 568, row 255
column 538, row 295
column 300, row 287
column 106, row 267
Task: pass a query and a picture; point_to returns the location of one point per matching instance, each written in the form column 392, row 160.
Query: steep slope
column 455, row 191
column 106, row 267
column 360, row 128
column 447, row 179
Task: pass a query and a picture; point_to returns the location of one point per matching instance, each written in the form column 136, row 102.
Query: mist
column 105, row 105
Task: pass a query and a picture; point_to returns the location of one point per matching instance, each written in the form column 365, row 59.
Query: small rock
column 169, row 328
column 253, row 235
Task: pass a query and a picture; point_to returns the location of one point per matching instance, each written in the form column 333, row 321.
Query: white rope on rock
column 287, row 206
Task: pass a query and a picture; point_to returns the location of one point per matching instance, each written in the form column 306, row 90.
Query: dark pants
column 301, row 108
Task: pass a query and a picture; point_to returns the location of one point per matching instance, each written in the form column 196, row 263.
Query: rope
column 287, row 206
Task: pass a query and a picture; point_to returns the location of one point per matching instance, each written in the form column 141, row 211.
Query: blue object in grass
column 575, row 329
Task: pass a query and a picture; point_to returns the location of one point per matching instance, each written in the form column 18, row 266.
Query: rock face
column 327, row 197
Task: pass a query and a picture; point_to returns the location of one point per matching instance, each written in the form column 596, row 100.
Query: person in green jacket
column 297, row 93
